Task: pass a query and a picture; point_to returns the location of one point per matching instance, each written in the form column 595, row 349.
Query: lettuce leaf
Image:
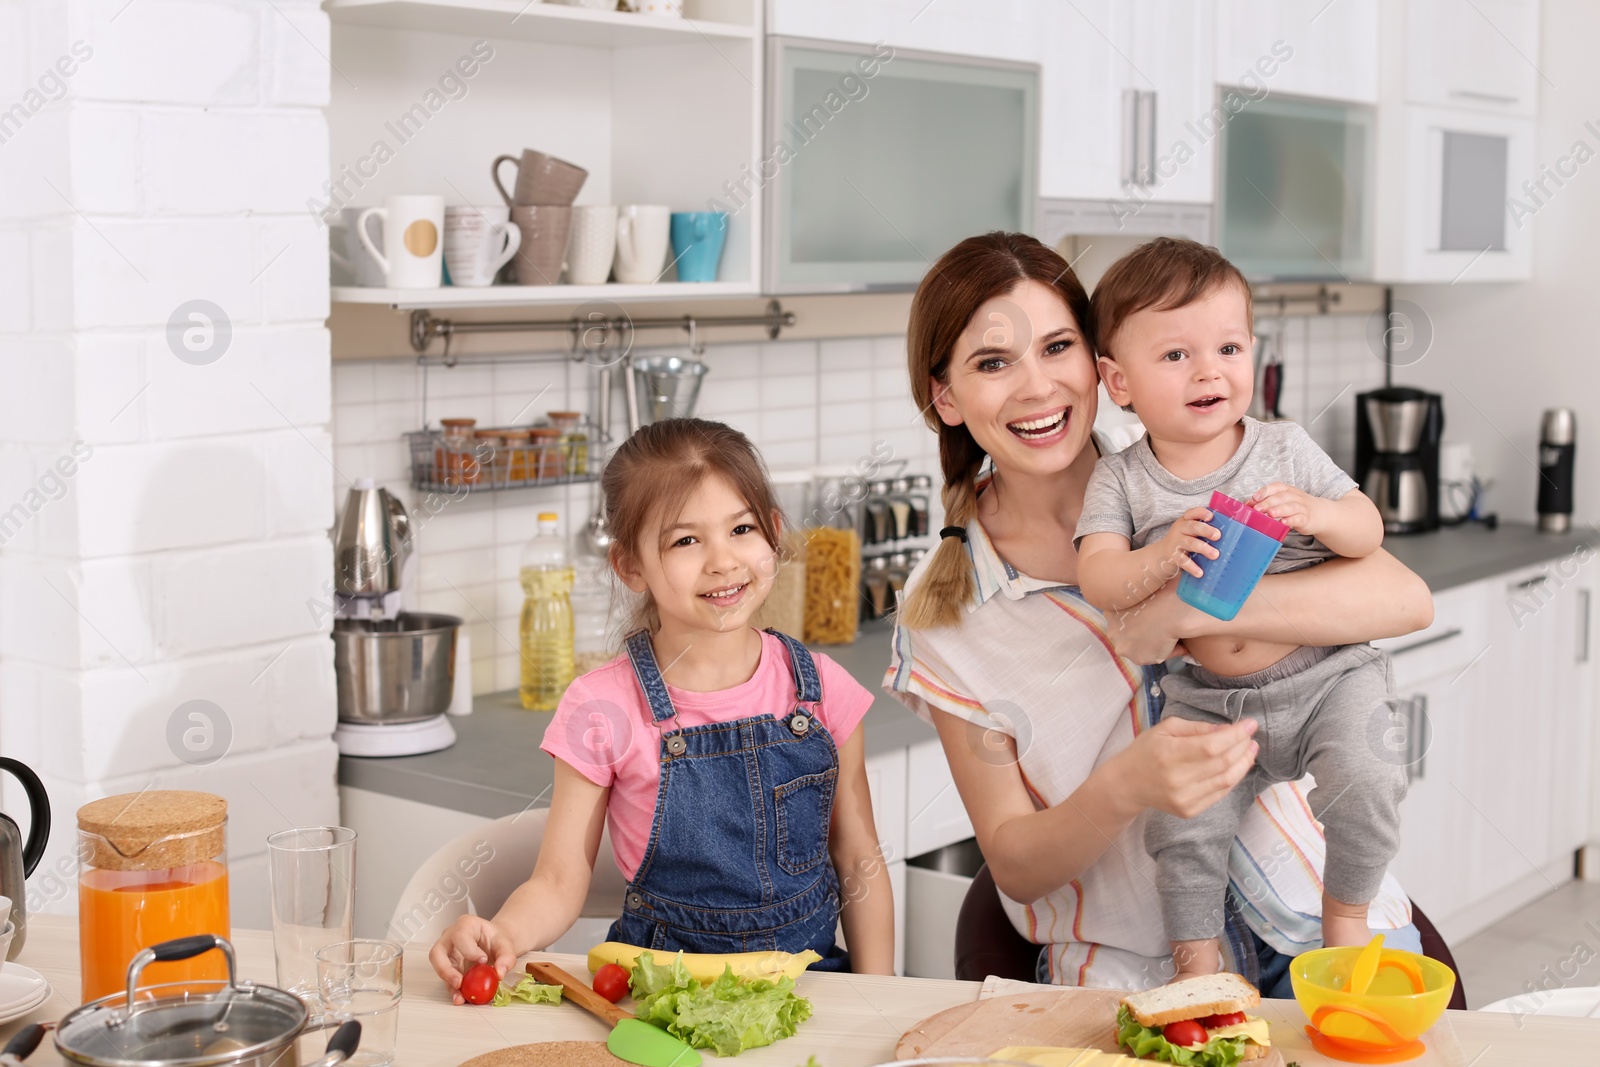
column 1147, row 1043
column 729, row 1015
column 527, row 990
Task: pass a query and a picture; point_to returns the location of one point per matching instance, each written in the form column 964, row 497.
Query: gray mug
column 541, row 180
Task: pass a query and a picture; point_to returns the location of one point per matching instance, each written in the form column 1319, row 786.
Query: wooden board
column 1071, row 1018
column 549, row 1054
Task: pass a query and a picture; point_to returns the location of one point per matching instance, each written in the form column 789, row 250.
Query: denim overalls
column 738, row 854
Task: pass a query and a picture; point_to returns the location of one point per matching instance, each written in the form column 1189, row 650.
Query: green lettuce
column 1147, row 1043
column 729, row 1015
column 527, row 990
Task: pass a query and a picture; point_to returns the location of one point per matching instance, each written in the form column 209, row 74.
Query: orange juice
column 121, row 912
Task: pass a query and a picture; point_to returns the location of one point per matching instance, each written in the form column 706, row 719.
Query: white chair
column 475, row 873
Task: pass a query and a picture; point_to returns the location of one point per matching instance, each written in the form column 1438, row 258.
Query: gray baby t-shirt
column 1132, row 494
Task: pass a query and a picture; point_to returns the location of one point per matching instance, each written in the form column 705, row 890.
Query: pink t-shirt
column 603, row 729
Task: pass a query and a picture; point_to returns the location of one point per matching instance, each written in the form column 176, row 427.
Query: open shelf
column 530, row 20
column 498, row 296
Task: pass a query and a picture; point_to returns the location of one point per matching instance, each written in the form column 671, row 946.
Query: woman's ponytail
column 946, row 587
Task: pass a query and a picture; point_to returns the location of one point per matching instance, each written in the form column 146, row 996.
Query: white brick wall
column 176, row 562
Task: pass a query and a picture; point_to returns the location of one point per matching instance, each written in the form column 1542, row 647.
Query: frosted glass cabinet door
column 1295, row 196
column 877, row 160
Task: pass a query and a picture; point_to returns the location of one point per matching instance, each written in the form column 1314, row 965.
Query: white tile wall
column 787, row 396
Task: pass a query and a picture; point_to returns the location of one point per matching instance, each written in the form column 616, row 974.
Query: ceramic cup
column 643, row 232
column 697, row 239
column 412, row 244
column 349, row 262
column 594, row 244
column 541, row 179
column 545, row 229
column 478, row 242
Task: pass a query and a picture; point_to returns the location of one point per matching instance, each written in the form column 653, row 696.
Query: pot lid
column 188, row 1024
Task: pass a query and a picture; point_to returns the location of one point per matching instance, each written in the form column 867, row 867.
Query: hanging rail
column 1324, row 298
column 425, row 327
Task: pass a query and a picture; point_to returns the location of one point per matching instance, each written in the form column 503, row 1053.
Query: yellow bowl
column 1406, row 997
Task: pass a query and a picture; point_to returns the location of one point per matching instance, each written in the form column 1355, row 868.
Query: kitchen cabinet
column 1480, row 54
column 1332, row 48
column 958, row 27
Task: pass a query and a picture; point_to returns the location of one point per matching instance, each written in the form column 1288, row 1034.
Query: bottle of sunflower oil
column 547, row 665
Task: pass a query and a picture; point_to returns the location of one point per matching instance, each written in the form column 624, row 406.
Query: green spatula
column 630, row 1039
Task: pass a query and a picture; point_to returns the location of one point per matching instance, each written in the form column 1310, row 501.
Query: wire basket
column 507, row 457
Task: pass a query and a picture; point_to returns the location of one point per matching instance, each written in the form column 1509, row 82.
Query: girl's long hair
column 969, row 275
column 655, row 472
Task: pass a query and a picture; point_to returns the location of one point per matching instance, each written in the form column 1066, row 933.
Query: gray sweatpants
column 1321, row 710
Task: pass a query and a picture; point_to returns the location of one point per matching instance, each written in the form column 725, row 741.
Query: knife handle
column 579, row 992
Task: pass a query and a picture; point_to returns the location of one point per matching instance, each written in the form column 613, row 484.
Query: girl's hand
column 1183, row 767
column 1151, row 631
column 1191, row 533
column 470, row 940
column 1295, row 508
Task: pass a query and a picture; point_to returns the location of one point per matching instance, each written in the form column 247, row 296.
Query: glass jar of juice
column 152, row 866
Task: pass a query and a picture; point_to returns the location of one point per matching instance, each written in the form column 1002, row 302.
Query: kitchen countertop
column 495, row 767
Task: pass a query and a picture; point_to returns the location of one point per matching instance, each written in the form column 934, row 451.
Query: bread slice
column 1212, row 994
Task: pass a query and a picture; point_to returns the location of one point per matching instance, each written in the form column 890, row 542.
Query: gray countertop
column 496, row 768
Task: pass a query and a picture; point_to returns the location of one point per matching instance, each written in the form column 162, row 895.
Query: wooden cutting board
column 549, row 1054
column 1071, row 1018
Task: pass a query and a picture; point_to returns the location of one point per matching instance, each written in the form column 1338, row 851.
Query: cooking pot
column 187, row 1024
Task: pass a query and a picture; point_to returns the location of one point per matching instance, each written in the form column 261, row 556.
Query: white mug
column 593, row 244
column 644, row 232
column 478, row 242
column 412, row 245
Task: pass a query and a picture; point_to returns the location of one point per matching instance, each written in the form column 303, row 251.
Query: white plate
column 21, row 990
column 1580, row 1003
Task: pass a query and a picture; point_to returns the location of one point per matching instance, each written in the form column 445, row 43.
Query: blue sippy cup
column 1249, row 541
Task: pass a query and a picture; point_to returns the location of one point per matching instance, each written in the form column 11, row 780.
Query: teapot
column 17, row 860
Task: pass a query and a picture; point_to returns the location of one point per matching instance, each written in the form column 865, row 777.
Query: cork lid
column 153, row 830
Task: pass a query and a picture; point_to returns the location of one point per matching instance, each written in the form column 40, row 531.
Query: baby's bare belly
column 1234, row 655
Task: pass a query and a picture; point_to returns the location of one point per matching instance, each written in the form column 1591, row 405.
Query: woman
column 1052, row 737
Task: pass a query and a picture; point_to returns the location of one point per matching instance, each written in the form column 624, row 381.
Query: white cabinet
column 1301, row 47
column 1480, row 54
column 1127, row 101
column 1429, row 726
column 959, row 27
column 935, row 816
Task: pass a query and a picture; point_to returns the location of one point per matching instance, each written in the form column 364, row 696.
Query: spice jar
column 489, row 453
column 878, row 602
column 574, row 443
column 516, row 449
column 900, row 508
column 152, row 866
column 451, row 460
column 544, row 453
column 921, row 490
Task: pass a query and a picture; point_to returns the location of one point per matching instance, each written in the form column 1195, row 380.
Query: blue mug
column 697, row 238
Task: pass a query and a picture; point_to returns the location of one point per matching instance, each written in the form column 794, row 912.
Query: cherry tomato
column 479, row 983
column 1185, row 1033
column 611, row 982
column 1232, row 1018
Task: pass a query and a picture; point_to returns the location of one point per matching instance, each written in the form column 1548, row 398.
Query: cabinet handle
column 1537, row 579
column 1583, row 627
column 1425, row 642
column 1147, row 120
column 1130, row 137
column 1493, row 98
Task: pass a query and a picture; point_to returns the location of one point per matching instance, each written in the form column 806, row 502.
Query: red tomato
column 611, row 982
column 1185, row 1033
column 1232, row 1018
column 479, row 983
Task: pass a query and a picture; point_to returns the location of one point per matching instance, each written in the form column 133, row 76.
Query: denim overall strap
column 646, row 670
column 807, row 684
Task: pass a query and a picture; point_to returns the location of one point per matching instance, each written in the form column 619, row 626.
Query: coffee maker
column 1397, row 455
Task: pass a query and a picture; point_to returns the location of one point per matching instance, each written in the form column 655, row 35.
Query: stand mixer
column 395, row 669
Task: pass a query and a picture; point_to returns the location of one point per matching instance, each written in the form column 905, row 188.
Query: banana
column 706, row 967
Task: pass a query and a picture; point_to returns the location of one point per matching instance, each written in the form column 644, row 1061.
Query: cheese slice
column 1051, row 1056
column 1254, row 1029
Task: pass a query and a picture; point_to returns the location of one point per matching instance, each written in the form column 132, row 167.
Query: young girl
column 726, row 759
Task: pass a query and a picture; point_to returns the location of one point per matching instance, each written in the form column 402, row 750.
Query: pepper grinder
column 1557, row 454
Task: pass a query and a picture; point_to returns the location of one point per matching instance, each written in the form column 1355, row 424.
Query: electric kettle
column 371, row 542
column 17, row 860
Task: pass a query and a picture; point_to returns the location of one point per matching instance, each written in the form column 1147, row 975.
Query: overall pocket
column 805, row 809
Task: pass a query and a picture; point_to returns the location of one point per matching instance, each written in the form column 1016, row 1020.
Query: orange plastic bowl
column 1407, row 996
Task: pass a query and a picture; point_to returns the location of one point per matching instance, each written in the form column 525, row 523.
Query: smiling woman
column 1056, row 742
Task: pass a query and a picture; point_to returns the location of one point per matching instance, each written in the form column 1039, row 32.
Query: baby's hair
column 1163, row 274
column 655, row 472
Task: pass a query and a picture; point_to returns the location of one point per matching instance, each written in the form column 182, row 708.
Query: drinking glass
column 361, row 979
column 312, row 871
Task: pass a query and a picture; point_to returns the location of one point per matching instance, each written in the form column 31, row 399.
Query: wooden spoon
column 631, row 1040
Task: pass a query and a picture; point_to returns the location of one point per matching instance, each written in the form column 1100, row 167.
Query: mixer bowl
column 1407, row 996
column 402, row 670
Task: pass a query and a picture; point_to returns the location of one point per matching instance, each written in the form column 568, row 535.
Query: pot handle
column 181, row 948
column 23, row 1042
column 342, row 1045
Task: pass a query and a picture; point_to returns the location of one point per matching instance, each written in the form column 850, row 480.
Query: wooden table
column 856, row 1022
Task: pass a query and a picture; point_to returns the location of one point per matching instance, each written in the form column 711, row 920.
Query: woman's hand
column 1183, row 767
column 470, row 940
column 1152, row 630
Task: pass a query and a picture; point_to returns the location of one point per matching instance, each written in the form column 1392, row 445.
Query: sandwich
column 1198, row 1022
